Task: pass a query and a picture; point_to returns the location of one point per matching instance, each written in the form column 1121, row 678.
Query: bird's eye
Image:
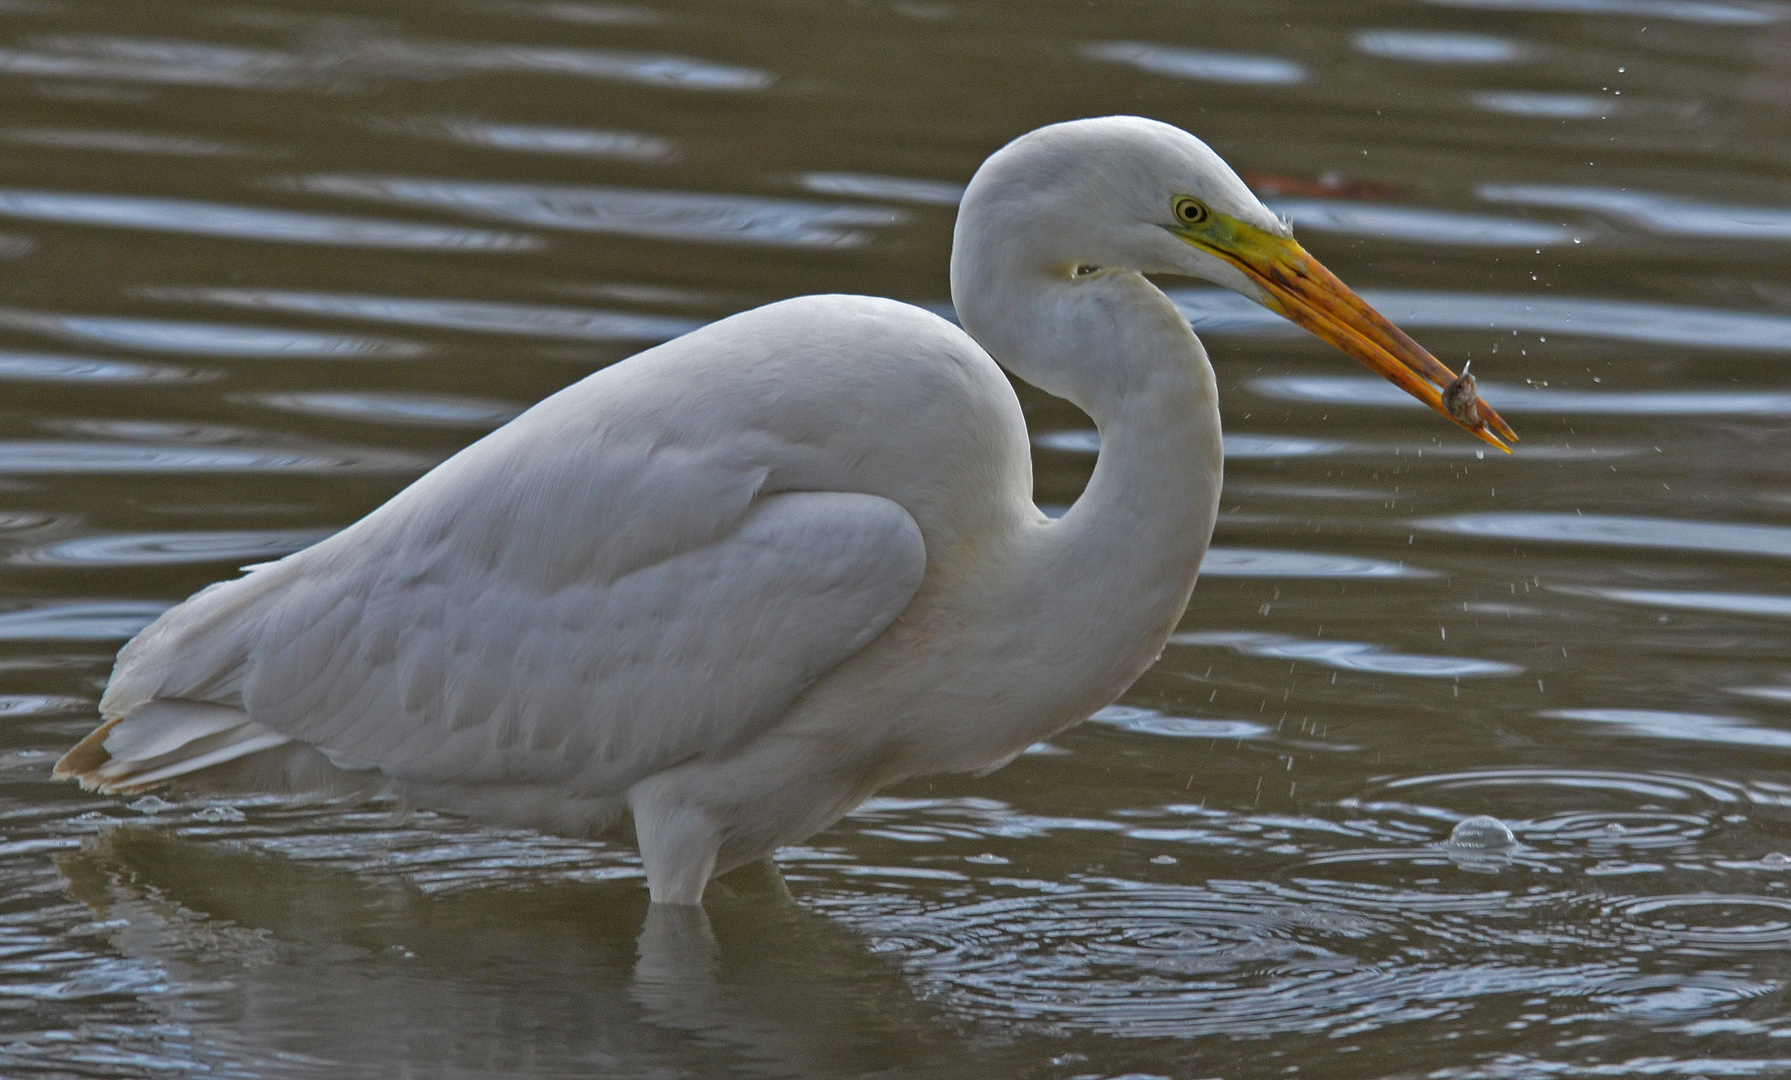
column 1190, row 211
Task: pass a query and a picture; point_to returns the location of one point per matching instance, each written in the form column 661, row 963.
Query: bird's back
column 648, row 564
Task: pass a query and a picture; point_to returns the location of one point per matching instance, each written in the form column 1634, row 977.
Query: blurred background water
column 1462, row 767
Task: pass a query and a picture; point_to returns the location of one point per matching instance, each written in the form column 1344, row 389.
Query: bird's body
column 731, row 586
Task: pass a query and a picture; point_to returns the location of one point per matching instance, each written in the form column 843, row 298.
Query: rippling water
column 1459, row 767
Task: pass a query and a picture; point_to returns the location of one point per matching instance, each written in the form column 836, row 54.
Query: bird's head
column 1131, row 194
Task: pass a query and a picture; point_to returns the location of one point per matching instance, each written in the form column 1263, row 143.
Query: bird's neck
column 1119, row 566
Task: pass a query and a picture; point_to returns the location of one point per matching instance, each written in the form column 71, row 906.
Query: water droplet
column 1169, row 860
column 1482, row 833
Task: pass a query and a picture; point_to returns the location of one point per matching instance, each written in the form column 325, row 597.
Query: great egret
column 731, row 586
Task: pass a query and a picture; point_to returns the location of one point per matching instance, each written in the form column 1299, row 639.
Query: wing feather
column 463, row 672
column 645, row 567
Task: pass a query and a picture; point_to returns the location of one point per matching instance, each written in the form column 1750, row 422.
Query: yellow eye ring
column 1189, row 210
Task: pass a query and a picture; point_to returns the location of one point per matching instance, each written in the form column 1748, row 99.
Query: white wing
column 579, row 600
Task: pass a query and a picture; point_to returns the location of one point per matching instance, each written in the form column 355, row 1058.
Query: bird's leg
column 758, row 879
column 678, row 844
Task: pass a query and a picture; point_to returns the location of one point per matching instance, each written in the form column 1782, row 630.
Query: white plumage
column 731, row 586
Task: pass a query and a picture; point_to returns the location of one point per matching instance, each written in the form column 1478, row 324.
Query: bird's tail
column 162, row 741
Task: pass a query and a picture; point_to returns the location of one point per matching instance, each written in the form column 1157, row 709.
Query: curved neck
column 1110, row 579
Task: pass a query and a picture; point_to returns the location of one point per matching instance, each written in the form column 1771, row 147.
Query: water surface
column 267, row 262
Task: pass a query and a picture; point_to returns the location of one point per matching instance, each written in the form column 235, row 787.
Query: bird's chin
column 1208, row 269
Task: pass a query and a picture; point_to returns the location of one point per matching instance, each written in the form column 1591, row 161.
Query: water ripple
column 1604, row 831
column 1667, row 215
column 1145, row 721
column 97, row 621
column 1257, row 562
column 1347, row 655
column 197, row 218
column 535, row 139
column 484, row 316
column 1672, row 787
column 652, row 69
column 1199, row 64
column 1692, row 11
column 1353, row 390
column 120, row 142
column 1726, row 603
column 1688, row 727
column 1545, row 105
column 1701, row 922
column 1238, row 447
column 1417, row 224
column 664, row 215
column 1600, row 529
column 169, row 549
column 205, row 339
column 1438, row 46
column 14, row 705
column 161, row 61
column 1071, row 441
column 43, row 367
column 190, row 63
column 888, row 188
column 1219, row 311
column 1237, row 958
column 436, row 410
column 55, row 458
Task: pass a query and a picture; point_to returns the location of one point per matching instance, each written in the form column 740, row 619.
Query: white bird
column 726, row 589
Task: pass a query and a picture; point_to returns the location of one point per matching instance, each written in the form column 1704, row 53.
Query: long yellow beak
column 1297, row 287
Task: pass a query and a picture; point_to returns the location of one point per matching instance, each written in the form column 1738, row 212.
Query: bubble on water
column 1775, row 859
column 151, row 804
column 1481, row 845
column 1169, row 860
column 219, row 812
column 1482, row 833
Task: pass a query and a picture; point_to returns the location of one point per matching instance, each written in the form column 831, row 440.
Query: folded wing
column 520, row 620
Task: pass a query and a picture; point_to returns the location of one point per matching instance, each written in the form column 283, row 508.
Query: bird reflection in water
column 255, row 953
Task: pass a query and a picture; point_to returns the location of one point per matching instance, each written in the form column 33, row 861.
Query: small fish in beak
column 1462, row 400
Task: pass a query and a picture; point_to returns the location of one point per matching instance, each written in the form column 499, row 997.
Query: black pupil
column 1191, row 212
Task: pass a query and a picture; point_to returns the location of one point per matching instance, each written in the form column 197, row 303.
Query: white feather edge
column 167, row 739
